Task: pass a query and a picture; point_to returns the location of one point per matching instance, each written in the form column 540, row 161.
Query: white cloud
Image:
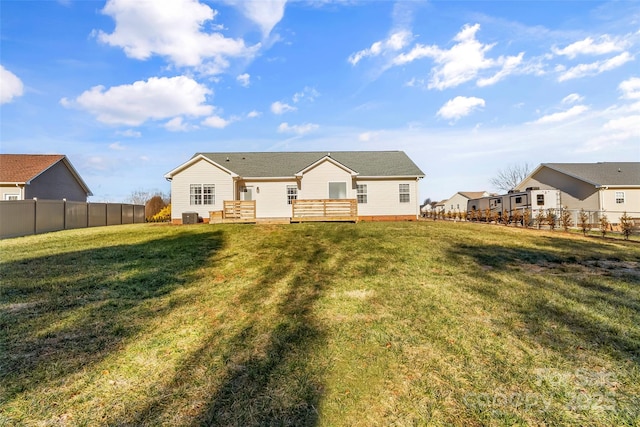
column 594, row 68
column 563, row 115
column 265, row 13
column 244, row 79
column 297, row 129
column 459, row 107
column 462, row 62
column 509, row 65
column 216, row 122
column 253, row 114
column 117, row 146
column 281, row 108
column 394, row 42
column 572, row 98
column 172, row 29
column 177, row 125
column 10, row 86
column 368, row 136
column 308, row 93
column 630, row 88
column 155, row 99
column 589, row 47
column 129, row 133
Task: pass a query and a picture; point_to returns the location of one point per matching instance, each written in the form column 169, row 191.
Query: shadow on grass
column 565, row 301
column 268, row 373
column 64, row 313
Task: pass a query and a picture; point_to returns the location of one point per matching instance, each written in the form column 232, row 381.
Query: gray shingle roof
column 603, row 173
column 285, row 164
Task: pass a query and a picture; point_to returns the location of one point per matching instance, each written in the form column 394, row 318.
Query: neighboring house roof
column 24, row 168
column 289, row 164
column 473, row 194
column 601, row 174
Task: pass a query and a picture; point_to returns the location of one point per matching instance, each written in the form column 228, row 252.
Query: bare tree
column 507, row 179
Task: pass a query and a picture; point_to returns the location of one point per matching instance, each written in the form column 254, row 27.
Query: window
column 405, row 196
column 619, row 197
column 208, row 194
column 540, row 199
column 519, row 199
column 195, row 195
column 11, row 197
column 200, row 194
column 292, row 193
column 337, row 190
column 361, row 193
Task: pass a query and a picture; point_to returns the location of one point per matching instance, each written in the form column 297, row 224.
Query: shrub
column 505, row 219
column 604, row 224
column 162, row 216
column 526, row 218
column 517, row 217
column 487, row 214
column 626, row 225
column 153, row 206
column 495, row 216
column 583, row 222
column 540, row 218
column 565, row 219
column 552, row 219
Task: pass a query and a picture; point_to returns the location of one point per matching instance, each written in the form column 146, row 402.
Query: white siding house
column 384, row 183
column 609, row 187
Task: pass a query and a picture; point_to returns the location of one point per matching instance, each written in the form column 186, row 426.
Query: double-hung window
column 292, row 193
column 619, row 197
column 405, row 195
column 361, row 193
column 202, row 194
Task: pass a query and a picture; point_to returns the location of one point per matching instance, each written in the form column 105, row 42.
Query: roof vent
column 619, row 170
column 227, row 159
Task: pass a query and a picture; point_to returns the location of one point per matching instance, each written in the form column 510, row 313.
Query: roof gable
column 24, row 168
column 328, row 159
column 288, row 164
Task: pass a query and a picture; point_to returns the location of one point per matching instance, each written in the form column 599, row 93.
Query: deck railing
column 324, row 210
column 239, row 211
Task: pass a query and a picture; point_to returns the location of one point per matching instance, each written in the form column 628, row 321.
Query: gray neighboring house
column 613, row 187
column 42, row 176
column 384, row 183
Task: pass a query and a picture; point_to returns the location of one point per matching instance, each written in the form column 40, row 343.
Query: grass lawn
column 428, row 323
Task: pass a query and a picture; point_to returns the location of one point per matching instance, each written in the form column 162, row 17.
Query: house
column 42, row 176
column 458, row 202
column 613, row 187
column 380, row 184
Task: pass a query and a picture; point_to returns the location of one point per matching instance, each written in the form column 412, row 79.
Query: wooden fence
column 324, row 210
column 239, row 211
column 25, row 217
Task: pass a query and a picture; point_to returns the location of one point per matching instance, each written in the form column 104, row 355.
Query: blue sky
column 129, row 90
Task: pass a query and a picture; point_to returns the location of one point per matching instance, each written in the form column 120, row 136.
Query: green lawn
column 428, row 323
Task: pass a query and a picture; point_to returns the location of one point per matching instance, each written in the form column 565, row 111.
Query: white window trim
column 12, row 197
column 198, row 198
column 293, row 195
column 402, row 192
column 362, row 196
column 619, row 197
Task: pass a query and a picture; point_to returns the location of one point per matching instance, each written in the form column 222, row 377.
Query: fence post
column 35, row 215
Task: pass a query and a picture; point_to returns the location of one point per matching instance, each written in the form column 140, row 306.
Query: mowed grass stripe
column 427, row 323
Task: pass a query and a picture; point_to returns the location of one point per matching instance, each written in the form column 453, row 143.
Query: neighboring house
column 458, row 202
column 42, row 176
column 613, row 187
column 384, row 183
